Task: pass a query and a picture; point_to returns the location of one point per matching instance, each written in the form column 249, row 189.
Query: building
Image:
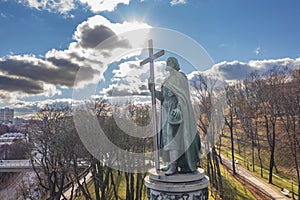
column 18, row 123
column 6, row 115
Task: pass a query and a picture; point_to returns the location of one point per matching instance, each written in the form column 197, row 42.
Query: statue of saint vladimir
column 179, row 140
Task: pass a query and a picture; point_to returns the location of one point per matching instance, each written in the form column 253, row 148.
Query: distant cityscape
column 7, row 118
column 11, row 131
column 6, row 115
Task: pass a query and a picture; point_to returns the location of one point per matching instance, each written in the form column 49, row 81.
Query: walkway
column 21, row 165
column 14, row 165
column 255, row 181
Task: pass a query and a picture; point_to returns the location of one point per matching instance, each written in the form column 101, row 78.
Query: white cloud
column 176, row 2
column 27, row 109
column 132, row 79
column 65, row 6
column 104, row 5
column 60, row 6
column 51, row 90
column 96, row 29
column 106, row 42
column 27, row 75
column 237, row 70
column 257, row 51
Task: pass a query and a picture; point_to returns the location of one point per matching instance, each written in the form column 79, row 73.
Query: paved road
column 261, row 185
column 15, row 163
column 20, row 165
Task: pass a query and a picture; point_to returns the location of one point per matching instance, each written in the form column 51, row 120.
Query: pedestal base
column 191, row 186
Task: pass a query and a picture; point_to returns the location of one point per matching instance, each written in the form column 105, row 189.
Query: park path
column 255, row 181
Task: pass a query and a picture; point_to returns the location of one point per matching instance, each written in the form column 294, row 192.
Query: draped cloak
column 186, row 140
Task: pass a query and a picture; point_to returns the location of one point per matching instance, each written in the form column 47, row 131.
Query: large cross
column 150, row 60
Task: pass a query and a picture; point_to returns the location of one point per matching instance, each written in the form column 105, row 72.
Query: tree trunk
column 138, row 186
column 252, row 151
column 104, row 183
column 220, row 145
column 132, row 185
column 129, row 186
column 260, row 163
column 230, row 126
column 271, row 165
column 218, row 171
column 96, row 181
column 114, row 186
column 232, row 151
column 272, row 156
column 208, row 164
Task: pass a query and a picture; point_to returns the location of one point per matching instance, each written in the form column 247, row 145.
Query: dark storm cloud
column 56, row 71
column 91, row 37
column 66, row 72
column 21, row 85
column 29, row 75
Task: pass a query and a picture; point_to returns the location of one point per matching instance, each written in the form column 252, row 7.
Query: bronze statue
column 179, row 140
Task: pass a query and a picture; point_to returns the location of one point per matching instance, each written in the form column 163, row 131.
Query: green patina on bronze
column 178, row 125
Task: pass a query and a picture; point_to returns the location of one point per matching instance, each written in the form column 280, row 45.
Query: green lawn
column 233, row 189
column 279, row 181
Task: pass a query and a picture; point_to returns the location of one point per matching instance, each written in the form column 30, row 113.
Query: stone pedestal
column 191, row 186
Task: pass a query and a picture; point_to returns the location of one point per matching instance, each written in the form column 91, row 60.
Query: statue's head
column 173, row 63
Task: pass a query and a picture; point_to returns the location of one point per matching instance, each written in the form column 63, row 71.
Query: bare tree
column 229, row 119
column 28, row 188
column 267, row 87
column 139, row 113
column 290, row 109
column 246, row 111
column 254, row 105
column 101, row 173
column 55, row 143
column 106, row 180
column 205, row 94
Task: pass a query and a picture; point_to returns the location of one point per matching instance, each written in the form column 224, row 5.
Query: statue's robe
column 178, row 134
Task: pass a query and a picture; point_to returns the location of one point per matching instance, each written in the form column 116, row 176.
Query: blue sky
column 43, row 43
column 229, row 30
